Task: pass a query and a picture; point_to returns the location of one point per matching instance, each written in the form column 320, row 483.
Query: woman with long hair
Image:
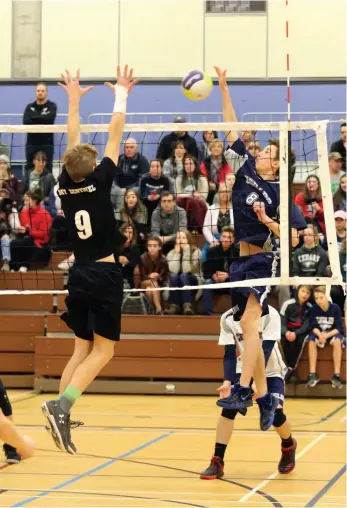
column 204, row 145
column 135, row 213
column 310, row 202
column 173, row 166
column 129, row 256
column 215, row 167
column 339, row 198
column 8, row 181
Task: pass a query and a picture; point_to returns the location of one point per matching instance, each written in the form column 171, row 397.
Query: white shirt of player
column 270, row 330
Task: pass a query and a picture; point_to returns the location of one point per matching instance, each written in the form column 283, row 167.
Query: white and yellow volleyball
column 196, row 85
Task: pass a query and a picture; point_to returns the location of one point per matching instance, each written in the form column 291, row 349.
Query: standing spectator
column 154, row 271
column 340, row 224
column 216, row 266
column 339, row 198
column 335, row 168
column 173, row 166
column 185, row 270
column 310, row 202
column 8, row 180
column 135, row 213
column 326, row 328
column 295, row 325
column 39, row 177
column 340, row 145
column 40, row 112
column 131, row 166
column 215, row 168
column 167, row 220
column 129, row 257
column 165, row 147
column 152, row 185
column 204, row 146
column 310, row 260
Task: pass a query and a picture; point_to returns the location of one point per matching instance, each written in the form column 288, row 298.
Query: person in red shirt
column 215, row 168
column 36, row 224
column 311, row 204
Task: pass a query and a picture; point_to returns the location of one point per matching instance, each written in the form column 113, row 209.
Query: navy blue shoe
column 267, row 408
column 239, row 399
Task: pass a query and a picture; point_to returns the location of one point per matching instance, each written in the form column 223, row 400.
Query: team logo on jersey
column 254, row 184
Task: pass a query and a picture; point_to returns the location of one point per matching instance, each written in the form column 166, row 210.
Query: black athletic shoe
column 59, row 422
column 287, row 462
column 214, row 471
column 12, row 457
column 239, row 399
column 267, row 411
column 53, row 436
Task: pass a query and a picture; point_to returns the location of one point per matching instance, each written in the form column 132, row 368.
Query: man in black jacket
column 40, row 112
column 166, row 144
column 217, row 264
column 131, row 166
column 152, row 185
column 340, row 145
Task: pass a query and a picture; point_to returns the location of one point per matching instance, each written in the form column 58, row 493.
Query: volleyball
column 196, row 85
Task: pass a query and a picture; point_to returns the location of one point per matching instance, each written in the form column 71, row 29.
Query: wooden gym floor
column 147, row 451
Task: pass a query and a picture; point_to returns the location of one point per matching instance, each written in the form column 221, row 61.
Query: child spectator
column 215, row 168
column 167, row 219
column 185, row 270
column 295, row 325
column 154, row 271
column 310, row 260
column 204, row 146
column 39, row 177
column 339, row 198
column 152, row 185
column 340, row 224
column 129, row 257
column 173, row 167
column 310, row 202
column 326, row 328
column 216, row 266
column 8, row 180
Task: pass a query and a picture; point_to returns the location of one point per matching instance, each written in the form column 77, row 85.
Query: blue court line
column 91, row 471
column 328, row 486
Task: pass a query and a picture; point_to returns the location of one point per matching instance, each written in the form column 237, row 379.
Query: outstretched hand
column 222, row 77
column 72, row 86
column 123, row 79
column 259, row 209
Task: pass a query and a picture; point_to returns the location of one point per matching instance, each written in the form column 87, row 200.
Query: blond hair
column 80, row 161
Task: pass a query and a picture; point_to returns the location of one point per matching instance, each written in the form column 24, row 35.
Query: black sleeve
column 161, row 149
column 229, row 363
column 268, row 346
column 283, row 325
column 193, row 147
column 29, row 115
column 208, row 265
column 106, row 172
column 135, row 255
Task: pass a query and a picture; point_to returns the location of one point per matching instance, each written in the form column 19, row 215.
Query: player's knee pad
column 280, row 417
column 5, row 404
column 230, row 414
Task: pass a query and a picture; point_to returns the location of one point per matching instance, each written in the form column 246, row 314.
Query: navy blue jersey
column 248, row 188
column 326, row 321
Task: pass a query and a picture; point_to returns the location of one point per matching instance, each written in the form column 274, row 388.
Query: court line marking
column 23, row 396
column 273, row 475
column 91, row 471
column 325, row 418
column 325, row 489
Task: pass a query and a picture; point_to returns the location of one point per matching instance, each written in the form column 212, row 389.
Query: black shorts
column 95, row 300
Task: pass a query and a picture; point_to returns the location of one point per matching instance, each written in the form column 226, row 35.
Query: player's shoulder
column 105, row 163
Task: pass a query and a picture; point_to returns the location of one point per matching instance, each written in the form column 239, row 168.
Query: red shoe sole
column 202, row 477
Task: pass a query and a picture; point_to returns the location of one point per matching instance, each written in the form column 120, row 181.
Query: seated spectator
column 310, row 202
column 340, row 224
column 204, row 146
column 8, row 180
column 36, row 222
column 167, row 219
column 165, row 147
column 129, row 257
column 59, row 238
column 215, row 168
column 310, row 260
column 152, row 185
column 326, row 328
column 39, row 177
column 131, row 166
column 337, row 292
column 340, row 145
column 217, row 265
column 173, row 166
column 154, row 271
column 254, row 148
column 295, row 325
column 9, row 227
column 247, row 137
column 339, row 198
column 135, row 213
column 335, row 169
column 185, row 270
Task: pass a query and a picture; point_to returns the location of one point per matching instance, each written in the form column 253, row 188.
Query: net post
column 285, row 196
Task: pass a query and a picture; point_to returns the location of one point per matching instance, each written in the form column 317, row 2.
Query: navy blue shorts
column 94, row 301
column 314, row 338
column 259, row 266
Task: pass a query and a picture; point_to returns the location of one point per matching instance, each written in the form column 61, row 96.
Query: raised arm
column 229, row 114
column 115, row 130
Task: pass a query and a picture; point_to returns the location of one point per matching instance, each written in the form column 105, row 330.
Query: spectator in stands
column 59, row 238
column 135, row 213
column 117, row 198
column 165, row 147
column 215, row 168
column 39, row 177
column 340, row 224
column 311, row 204
column 154, row 271
column 129, row 257
column 37, row 223
column 8, row 180
column 343, row 264
column 326, row 327
column 337, row 292
column 335, row 168
column 340, row 145
column 204, row 146
column 173, row 166
column 167, row 220
column 185, row 270
column 131, row 166
column 152, row 185
column 254, row 148
column 41, row 112
column 9, row 227
column 339, row 198
column 310, row 260
column 295, row 325
column 247, row 137
column 217, row 265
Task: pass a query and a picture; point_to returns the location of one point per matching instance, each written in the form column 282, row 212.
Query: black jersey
column 88, row 210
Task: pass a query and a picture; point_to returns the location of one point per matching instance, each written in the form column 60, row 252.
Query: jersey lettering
column 252, row 198
column 83, row 224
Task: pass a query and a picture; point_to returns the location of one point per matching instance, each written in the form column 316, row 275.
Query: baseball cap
column 336, row 156
column 4, row 158
column 340, row 214
column 179, row 119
